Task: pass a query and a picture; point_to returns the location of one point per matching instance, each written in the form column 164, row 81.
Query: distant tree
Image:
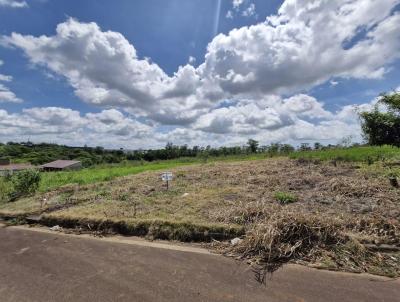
column 305, row 147
column 99, row 150
column 383, row 128
column 273, row 149
column 252, row 145
column 286, row 149
column 317, row 146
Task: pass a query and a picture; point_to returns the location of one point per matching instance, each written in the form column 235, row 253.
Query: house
column 7, row 168
column 4, row 161
column 62, row 165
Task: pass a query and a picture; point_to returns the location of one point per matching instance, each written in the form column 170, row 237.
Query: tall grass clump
column 285, row 198
column 5, row 190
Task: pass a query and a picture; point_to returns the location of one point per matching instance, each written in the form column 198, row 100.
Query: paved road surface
column 37, row 266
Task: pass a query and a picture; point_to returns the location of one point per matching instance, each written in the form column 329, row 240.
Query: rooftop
column 60, row 164
column 15, row 167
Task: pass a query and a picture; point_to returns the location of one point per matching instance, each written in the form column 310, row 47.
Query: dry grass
column 284, row 237
column 317, row 240
column 339, row 210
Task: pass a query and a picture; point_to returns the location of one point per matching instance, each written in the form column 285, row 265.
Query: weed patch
column 285, row 198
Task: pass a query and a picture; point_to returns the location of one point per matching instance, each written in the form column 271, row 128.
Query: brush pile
column 319, row 241
column 284, row 237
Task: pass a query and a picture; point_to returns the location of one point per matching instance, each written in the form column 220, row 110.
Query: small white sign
column 166, row 176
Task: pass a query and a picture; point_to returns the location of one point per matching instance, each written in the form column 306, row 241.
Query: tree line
column 42, row 153
column 380, row 127
column 172, row 151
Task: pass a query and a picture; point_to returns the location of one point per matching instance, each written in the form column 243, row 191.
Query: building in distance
column 7, row 168
column 62, row 165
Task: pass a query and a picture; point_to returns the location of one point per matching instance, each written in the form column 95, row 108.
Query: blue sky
column 166, row 31
column 72, row 93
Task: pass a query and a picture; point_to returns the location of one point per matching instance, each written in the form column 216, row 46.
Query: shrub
column 25, row 183
column 284, row 197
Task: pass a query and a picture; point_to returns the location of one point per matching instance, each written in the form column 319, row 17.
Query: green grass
column 285, row 198
column 52, row 180
column 352, row 154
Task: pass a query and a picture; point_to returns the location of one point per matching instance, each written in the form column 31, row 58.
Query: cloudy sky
column 138, row 74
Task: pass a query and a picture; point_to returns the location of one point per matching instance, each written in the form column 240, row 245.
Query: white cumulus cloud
column 6, row 95
column 306, row 44
column 63, row 125
column 13, row 3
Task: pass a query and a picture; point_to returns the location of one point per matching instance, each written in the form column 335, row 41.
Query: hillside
column 38, row 154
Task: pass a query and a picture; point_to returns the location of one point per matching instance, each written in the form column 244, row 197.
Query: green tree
column 305, row 147
column 317, row 146
column 383, row 128
column 252, row 145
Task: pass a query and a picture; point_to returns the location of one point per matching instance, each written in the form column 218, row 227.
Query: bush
column 26, row 182
column 18, row 185
column 285, row 198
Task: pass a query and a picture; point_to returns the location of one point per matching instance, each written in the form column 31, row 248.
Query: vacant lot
column 332, row 215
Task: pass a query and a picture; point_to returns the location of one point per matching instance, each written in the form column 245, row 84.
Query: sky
column 139, row 74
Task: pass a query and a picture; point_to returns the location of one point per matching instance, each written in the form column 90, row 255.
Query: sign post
column 166, row 176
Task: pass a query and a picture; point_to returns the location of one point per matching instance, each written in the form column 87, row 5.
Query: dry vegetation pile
column 340, row 216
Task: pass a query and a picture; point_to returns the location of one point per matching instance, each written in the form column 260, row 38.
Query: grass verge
column 151, row 229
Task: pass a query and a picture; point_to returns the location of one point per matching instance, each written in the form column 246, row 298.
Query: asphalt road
column 36, row 266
